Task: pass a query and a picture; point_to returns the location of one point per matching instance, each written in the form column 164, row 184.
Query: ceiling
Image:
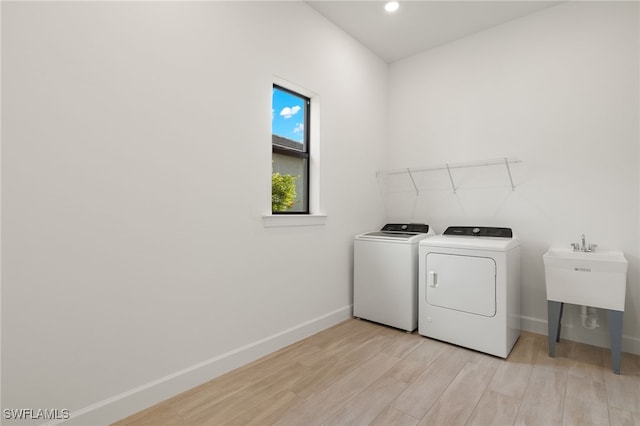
column 419, row 25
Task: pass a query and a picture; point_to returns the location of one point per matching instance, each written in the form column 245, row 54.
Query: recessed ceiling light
column 391, row 6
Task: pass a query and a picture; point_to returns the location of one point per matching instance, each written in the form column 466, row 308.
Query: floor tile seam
column 524, row 403
column 384, row 375
column 361, row 392
column 318, row 391
column 243, row 402
column 521, row 394
column 415, row 346
column 520, row 400
column 572, row 373
column 486, row 389
column 594, row 385
column 413, row 377
column 381, row 375
column 345, row 401
column 564, row 397
column 354, row 365
column 237, row 392
column 246, row 370
column 608, row 416
column 472, row 363
column 365, row 342
column 402, row 411
column 204, row 404
column 356, row 341
column 326, row 354
column 269, row 358
column 333, row 410
column 631, row 413
column 613, row 404
column 183, row 420
column 443, row 392
column 346, row 354
column 616, row 406
column 561, row 368
column 609, row 412
column 392, row 403
column 242, row 412
column 436, row 355
column 432, row 367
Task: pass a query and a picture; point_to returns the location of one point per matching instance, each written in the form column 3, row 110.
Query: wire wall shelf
column 448, row 167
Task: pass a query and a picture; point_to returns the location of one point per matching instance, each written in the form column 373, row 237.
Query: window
column 290, row 152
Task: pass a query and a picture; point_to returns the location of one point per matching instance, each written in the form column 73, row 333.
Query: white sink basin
column 597, row 279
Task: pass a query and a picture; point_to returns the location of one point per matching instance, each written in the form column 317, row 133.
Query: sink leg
column 615, row 333
column 560, row 322
column 554, row 313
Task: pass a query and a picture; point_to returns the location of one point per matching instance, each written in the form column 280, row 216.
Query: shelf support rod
column 451, row 179
column 506, row 163
column 415, row 187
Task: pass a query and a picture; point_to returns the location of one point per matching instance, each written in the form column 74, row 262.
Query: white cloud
column 289, row 112
column 299, row 128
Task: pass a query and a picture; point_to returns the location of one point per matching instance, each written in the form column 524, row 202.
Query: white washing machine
column 385, row 274
column 469, row 288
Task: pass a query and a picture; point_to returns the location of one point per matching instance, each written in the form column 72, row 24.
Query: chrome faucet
column 583, row 246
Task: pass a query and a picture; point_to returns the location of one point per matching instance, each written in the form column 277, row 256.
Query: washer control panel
column 418, row 228
column 479, row 231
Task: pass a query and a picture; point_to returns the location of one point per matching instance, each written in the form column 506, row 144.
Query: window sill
column 294, row 220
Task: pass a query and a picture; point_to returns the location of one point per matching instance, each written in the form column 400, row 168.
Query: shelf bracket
column 506, row 163
column 413, row 181
column 451, row 178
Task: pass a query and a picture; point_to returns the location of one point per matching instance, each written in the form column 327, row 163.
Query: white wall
column 557, row 89
column 136, row 163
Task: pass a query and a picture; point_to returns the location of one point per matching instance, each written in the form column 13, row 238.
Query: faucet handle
column 592, row 247
column 575, row 246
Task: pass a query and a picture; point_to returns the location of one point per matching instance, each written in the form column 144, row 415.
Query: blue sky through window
column 287, row 115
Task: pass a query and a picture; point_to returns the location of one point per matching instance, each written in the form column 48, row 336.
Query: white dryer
column 385, row 274
column 469, row 288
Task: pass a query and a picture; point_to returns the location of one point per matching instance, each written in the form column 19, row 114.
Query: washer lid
column 390, row 236
column 398, row 237
column 399, row 232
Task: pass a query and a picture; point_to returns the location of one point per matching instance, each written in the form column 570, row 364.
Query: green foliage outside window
column 283, row 192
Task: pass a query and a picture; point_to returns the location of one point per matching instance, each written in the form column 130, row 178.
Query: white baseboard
column 598, row 337
column 133, row 400
column 534, row 325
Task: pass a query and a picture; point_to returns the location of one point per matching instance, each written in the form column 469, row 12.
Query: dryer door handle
column 432, row 279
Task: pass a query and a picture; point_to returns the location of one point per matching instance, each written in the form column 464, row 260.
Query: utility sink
column 597, row 279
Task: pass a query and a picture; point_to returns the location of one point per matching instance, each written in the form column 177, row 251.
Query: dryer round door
column 462, row 283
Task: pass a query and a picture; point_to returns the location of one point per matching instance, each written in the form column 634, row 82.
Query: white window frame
column 315, row 216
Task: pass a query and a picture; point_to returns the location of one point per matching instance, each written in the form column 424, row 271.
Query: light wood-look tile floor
column 361, row 373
